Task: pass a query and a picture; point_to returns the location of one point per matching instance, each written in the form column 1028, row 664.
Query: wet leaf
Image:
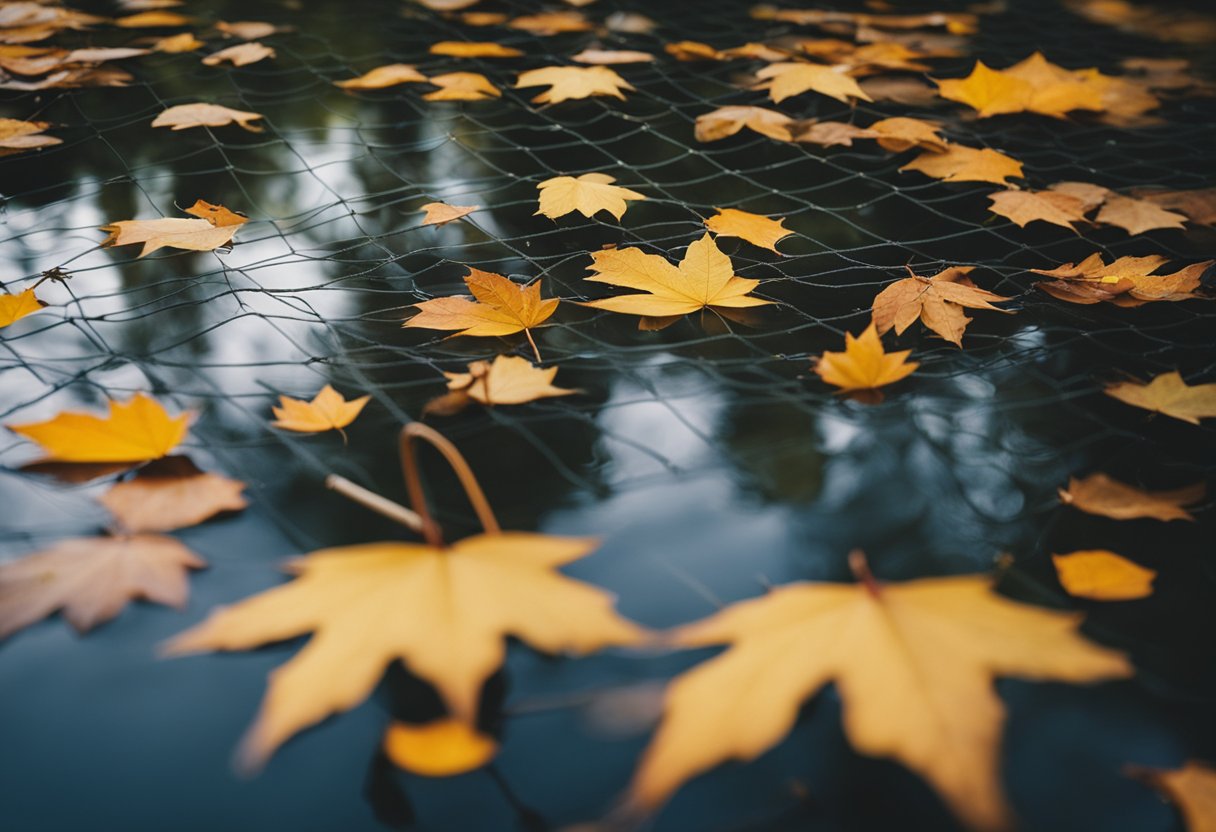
column 785, row 80
column 472, row 49
column 463, row 601
column 1126, row 281
column 551, row 23
column 1107, row 497
column 242, row 54
column 500, row 307
column 864, row 366
column 570, row 82
column 1099, row 575
column 1170, row 395
column 704, row 279
column 185, row 116
column 588, row 194
column 328, row 410
column 91, row 579
column 246, row 29
column 15, row 307
column 507, row 380
column 213, row 227
column 727, row 121
column 462, row 86
column 1135, row 216
column 1024, row 207
column 966, row 164
column 440, row 213
column 612, row 56
column 185, row 42
column 171, row 494
column 756, row 229
column 441, row 748
column 137, row 430
column 18, row 136
column 384, row 76
column 153, row 20
column 938, row 301
column 938, row 642
column 902, row 133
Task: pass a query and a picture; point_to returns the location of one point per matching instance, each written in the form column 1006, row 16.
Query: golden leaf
column 1127, row 281
column 17, row 136
column 966, row 164
column 133, row 431
column 185, row 42
column 588, row 194
column 246, row 29
column 551, row 23
column 460, row 604
column 383, row 76
column 901, row 133
column 215, row 226
column 1107, row 497
column 328, row 410
column 462, row 86
column 1170, row 395
column 571, row 82
column 507, row 380
column 185, row 116
column 612, row 56
column 153, row 20
column 936, row 644
column 15, row 307
column 704, row 279
column 864, row 366
column 440, row 213
column 1023, row 207
column 755, row 228
column 242, row 54
column 92, row 578
column 727, row 121
column 1192, row 788
column 441, row 748
column 1100, row 575
column 785, row 80
column 471, row 49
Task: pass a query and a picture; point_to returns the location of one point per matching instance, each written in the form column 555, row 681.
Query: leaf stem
column 860, row 568
column 535, row 349
column 413, row 481
column 373, row 501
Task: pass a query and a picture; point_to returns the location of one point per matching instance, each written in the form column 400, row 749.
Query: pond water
column 708, row 458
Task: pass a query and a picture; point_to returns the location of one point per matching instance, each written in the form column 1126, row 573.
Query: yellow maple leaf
column 864, row 366
column 92, row 578
column 443, row 611
column 500, row 307
column 1100, row 575
column 727, row 121
column 570, row 82
column 440, row 748
column 588, row 194
column 213, row 227
column 185, row 116
column 704, row 279
column 154, row 19
column 473, row 49
column 507, row 380
column 959, row 163
column 1023, row 207
column 133, row 431
column 171, row 494
column 1170, row 395
column 935, row 644
column 785, row 80
column 328, row 410
column 988, row 91
column 389, row 75
column 755, row 228
column 440, row 213
column 15, row 307
column 462, row 86
column 1107, row 497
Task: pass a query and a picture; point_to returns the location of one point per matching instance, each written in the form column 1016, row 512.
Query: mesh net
column 960, row 464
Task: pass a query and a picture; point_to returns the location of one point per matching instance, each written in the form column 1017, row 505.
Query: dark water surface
column 708, row 458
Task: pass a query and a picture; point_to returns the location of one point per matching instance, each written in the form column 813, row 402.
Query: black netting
column 708, row 456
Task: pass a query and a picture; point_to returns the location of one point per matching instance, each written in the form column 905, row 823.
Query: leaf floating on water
column 171, row 494
column 864, row 366
column 461, row 86
column 328, row 410
column 758, row 230
column 213, row 227
column 508, row 380
column 441, row 748
column 384, row 76
column 727, row 121
column 1168, row 394
column 185, row 116
column 570, row 82
column 938, row 302
column 1099, row 575
column 588, row 194
column 91, row 579
column 1107, row 497
column 242, row 54
column 939, row 642
column 137, row 430
column 471, row 49
column 18, row 136
column 785, row 80
column 966, row 164
column 15, row 307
